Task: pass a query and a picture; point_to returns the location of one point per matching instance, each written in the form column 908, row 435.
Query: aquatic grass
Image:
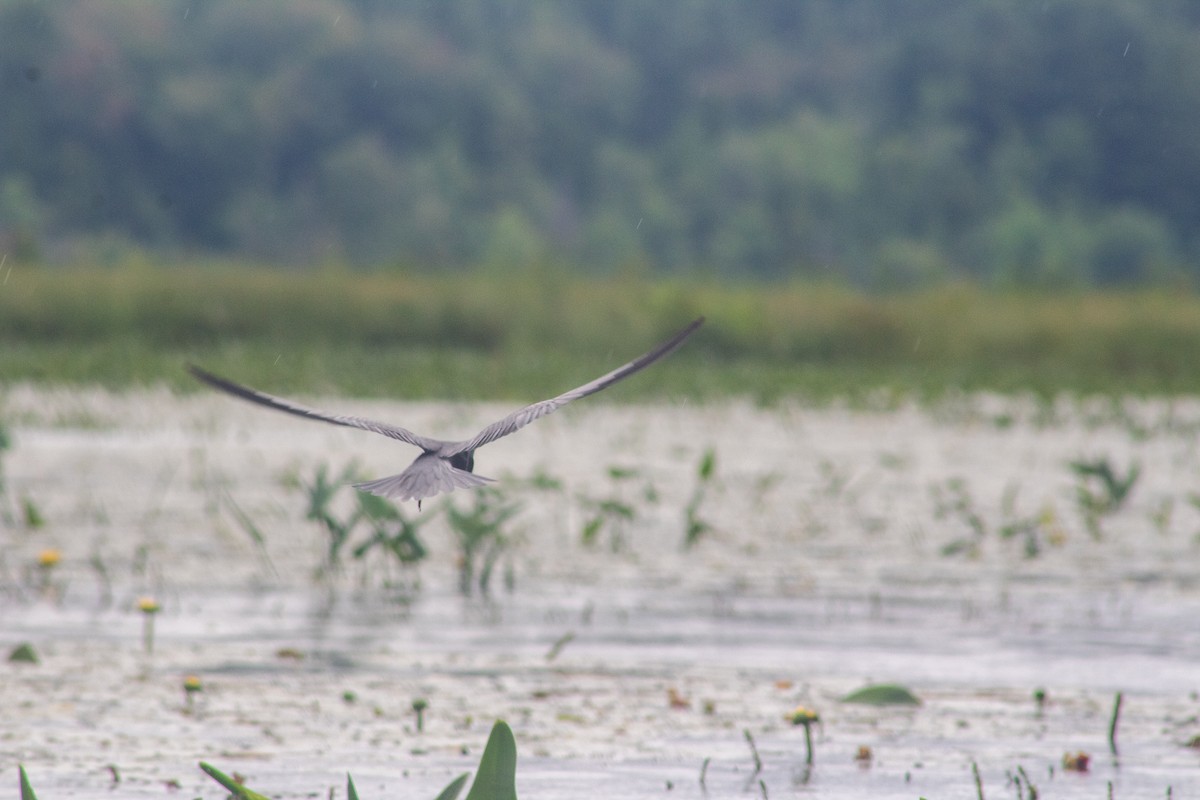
column 1025, row 788
column 1100, row 491
column 758, row 764
column 389, row 528
column 1032, row 529
column 481, row 534
column 1112, row 725
column 31, row 514
column 694, row 525
column 320, row 492
column 495, row 777
column 233, row 785
column 5, row 446
column 248, row 525
column 615, row 511
column 952, row 500
column 425, row 335
column 26, row 786
column 559, row 644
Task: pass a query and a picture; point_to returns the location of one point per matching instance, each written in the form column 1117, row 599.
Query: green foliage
column 235, row 787
column 952, row 501
column 321, row 492
column 481, row 534
column 528, row 336
column 883, row 694
column 31, row 514
column 454, row 788
column 1100, row 491
column 694, row 525
column 391, row 530
column 616, row 511
column 1113, row 490
column 886, row 144
column 26, row 787
column 495, row 779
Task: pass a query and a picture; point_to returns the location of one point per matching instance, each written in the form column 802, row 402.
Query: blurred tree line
column 889, row 143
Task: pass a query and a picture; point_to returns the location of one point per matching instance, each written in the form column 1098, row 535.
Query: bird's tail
column 425, row 477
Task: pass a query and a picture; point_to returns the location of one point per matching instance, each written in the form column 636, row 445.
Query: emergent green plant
column 495, row 779
column 320, row 494
column 390, row 529
column 1112, row 491
column 953, row 500
column 5, row 445
column 1100, row 490
column 614, row 512
column 694, row 525
column 481, row 535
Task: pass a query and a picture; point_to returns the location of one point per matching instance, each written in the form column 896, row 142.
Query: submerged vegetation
column 492, row 335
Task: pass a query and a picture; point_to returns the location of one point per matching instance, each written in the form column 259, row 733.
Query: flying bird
column 444, row 466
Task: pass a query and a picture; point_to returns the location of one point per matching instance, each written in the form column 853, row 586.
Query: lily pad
column 883, row 694
column 23, row 654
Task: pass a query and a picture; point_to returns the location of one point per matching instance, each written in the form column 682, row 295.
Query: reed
column 520, row 334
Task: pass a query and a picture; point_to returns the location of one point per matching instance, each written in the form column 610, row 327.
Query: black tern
column 444, row 466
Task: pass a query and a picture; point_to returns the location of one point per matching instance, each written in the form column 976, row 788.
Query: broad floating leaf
column 883, row 694
column 23, row 654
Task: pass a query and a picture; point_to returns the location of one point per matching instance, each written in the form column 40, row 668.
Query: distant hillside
column 888, row 143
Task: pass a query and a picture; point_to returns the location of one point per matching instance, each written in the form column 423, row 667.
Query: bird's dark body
column 442, row 465
column 464, row 461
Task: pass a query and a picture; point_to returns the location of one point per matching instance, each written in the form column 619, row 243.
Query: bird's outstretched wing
column 279, row 404
column 522, row 417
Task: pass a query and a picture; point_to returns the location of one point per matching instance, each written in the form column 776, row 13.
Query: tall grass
column 506, row 335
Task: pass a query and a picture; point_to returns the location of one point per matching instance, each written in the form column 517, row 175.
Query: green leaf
column 708, row 464
column 23, row 654
column 615, row 508
column 33, row 515
column 591, row 529
column 235, row 788
column 496, row 778
column 883, row 694
column 377, row 508
column 455, row 786
column 26, row 787
column 351, row 792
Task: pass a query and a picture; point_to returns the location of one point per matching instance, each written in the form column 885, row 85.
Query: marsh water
column 951, row 548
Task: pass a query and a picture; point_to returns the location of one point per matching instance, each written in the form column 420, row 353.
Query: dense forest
column 889, row 144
